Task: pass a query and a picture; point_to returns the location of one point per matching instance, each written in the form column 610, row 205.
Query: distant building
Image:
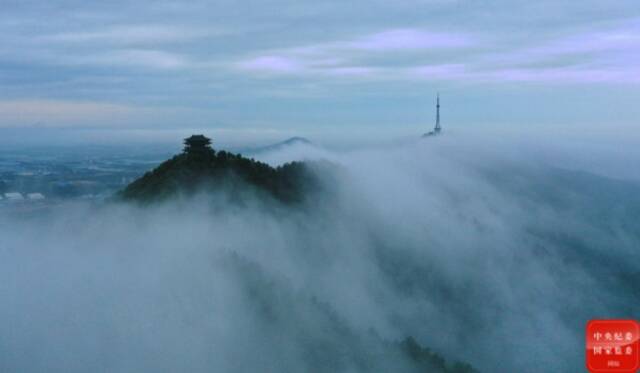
column 13, row 196
column 35, row 196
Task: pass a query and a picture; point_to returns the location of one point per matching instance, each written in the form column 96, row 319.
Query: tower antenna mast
column 438, row 128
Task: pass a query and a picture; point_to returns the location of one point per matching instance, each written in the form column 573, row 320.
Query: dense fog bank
column 487, row 252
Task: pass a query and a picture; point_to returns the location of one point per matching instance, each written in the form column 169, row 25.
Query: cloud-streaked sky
column 308, row 66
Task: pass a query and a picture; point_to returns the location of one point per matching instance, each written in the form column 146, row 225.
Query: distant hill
column 282, row 144
column 199, row 168
column 296, row 140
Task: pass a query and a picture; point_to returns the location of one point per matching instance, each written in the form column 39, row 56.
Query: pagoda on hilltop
column 197, row 144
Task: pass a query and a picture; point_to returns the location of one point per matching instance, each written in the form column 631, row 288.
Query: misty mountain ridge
column 199, row 168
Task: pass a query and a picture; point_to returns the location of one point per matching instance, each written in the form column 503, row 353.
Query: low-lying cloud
column 483, row 252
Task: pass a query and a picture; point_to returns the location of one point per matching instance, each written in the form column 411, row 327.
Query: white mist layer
column 478, row 249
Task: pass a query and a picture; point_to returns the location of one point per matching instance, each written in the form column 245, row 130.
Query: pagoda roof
column 197, row 138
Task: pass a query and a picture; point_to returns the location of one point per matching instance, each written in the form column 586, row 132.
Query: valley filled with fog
column 491, row 250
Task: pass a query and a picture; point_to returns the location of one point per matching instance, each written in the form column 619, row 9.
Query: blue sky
column 285, row 67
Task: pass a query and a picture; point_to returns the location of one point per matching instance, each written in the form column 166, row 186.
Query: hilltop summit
column 200, row 168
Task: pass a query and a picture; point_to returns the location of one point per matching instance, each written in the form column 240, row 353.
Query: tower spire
column 437, row 129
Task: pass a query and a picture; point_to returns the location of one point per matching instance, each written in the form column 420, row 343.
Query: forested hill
column 200, row 168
